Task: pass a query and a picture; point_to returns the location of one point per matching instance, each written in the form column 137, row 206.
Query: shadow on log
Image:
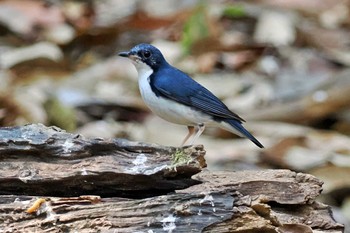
column 53, row 181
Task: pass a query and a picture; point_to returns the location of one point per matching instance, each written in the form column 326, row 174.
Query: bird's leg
column 191, row 131
column 200, row 130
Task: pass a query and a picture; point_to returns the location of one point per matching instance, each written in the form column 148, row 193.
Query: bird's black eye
column 147, row 54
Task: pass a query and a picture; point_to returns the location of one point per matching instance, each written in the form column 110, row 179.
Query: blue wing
column 173, row 84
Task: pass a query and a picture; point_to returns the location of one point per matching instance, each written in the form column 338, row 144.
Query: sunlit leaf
column 195, row 28
column 234, row 11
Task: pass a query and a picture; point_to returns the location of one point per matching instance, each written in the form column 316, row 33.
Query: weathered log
column 37, row 160
column 247, row 201
column 63, row 164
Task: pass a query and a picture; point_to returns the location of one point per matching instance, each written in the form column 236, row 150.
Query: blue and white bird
column 175, row 97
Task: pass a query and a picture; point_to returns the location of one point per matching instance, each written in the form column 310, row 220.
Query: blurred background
column 282, row 65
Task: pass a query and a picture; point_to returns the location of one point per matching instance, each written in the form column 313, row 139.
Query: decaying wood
column 37, row 160
column 247, row 201
column 61, row 164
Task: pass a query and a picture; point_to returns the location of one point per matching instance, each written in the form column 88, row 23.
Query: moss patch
column 180, row 157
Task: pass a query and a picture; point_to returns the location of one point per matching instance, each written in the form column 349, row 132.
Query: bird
column 176, row 97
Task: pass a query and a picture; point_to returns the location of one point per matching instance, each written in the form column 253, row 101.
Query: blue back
column 171, row 83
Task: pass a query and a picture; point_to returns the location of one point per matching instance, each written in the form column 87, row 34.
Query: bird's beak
column 124, row 54
column 129, row 55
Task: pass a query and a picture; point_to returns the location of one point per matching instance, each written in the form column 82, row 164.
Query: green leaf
column 195, row 28
column 60, row 115
column 234, row 11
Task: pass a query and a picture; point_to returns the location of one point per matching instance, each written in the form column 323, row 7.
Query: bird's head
column 145, row 54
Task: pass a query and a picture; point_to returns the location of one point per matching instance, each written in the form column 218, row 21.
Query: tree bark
column 53, row 181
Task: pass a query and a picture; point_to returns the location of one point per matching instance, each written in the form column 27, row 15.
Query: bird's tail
column 242, row 131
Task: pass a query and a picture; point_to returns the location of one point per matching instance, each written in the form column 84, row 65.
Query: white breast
column 166, row 109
